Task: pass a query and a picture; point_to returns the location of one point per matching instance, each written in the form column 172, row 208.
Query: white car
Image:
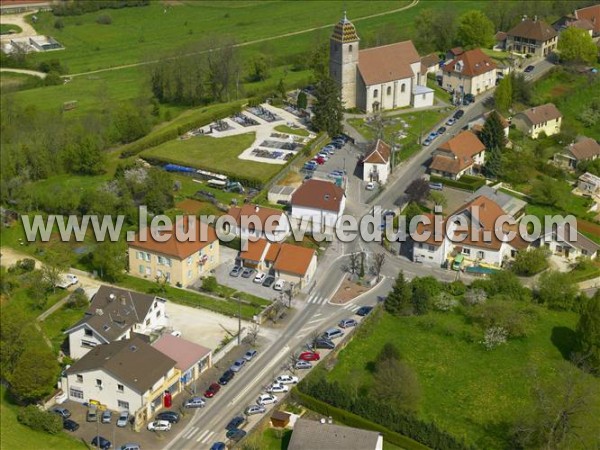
column 279, row 285
column 370, row 186
column 67, row 280
column 266, row 399
column 159, row 425
column 286, row 379
column 260, row 277
column 278, row 388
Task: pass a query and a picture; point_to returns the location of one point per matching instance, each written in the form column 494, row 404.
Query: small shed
column 280, row 194
column 280, row 419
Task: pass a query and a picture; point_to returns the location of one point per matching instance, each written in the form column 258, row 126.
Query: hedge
column 466, row 182
column 347, row 418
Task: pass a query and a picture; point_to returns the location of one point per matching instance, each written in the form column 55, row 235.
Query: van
column 92, row 414
column 333, row 333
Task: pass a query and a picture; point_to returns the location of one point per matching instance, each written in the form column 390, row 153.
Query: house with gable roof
column 463, row 154
column 585, row 149
column 471, row 72
column 532, row 37
column 259, row 221
column 545, row 119
column 376, row 165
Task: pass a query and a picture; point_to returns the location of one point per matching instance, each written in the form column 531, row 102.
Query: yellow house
column 539, row 119
column 181, row 260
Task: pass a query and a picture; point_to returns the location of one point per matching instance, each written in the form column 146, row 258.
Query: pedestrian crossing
column 351, row 307
column 202, row 437
column 316, row 299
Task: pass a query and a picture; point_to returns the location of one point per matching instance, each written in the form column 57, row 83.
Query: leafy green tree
column 396, row 383
column 35, row 372
column 505, row 284
column 132, row 122
column 15, row 332
column 159, row 191
column 411, row 211
column 576, row 46
column 328, row 108
column 209, row 284
column 438, row 199
column 281, row 89
column 388, row 352
column 435, row 30
column 503, row 96
column 259, row 68
column 398, row 301
column 302, row 100
column 38, row 419
column 531, row 262
column 551, row 192
column 110, row 260
column 424, row 290
column 319, row 60
column 522, row 89
column 475, row 30
column 588, row 332
column 493, row 163
column 557, row 290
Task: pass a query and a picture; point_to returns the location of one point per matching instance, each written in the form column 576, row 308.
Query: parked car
column 309, row 356
column 62, row 412
column 279, row 285
column 432, row 135
column 266, row 399
column 302, row 365
column 268, row 281
column 67, row 280
column 130, row 446
column 248, row 272
column 529, row 69
column 370, row 186
column 458, row 114
column 106, row 416
column 319, row 160
column 250, row 354
column 123, row 419
column 277, row 388
column 92, row 414
column 176, row 333
column 235, row 422
column 441, row 130
column 226, row 377
column 468, row 99
column 388, row 213
column 321, row 343
column 236, row 271
column 100, row 442
column 436, row 186
column 255, row 409
column 194, row 402
column 235, row 435
column 212, row 390
column 332, row 333
column 218, row 446
column 426, row 142
column 451, row 121
column 286, row 379
column 70, row 425
column 347, row 323
column 364, row 311
column 237, row 365
column 260, row 277
column 169, row 416
column 159, row 425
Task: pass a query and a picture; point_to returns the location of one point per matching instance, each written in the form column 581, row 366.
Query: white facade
column 321, row 217
column 455, row 81
column 422, row 96
column 299, row 281
column 376, row 172
column 429, row 254
column 278, row 234
column 549, row 127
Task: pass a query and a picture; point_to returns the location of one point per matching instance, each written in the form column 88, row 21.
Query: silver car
column 194, row 402
column 123, row 419
column 255, row 409
column 237, row 365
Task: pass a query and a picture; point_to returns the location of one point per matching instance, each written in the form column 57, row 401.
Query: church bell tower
column 343, row 59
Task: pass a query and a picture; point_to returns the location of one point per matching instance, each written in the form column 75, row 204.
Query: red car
column 212, row 390
column 310, row 356
column 319, row 160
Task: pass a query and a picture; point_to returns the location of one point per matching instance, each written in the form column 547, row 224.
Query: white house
column 115, row 314
column 259, row 221
column 589, row 184
column 320, row 202
column 125, row 375
column 471, row 72
column 539, row 119
column 560, row 242
column 376, row 165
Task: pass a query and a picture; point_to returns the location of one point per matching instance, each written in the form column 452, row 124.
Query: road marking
column 310, row 299
column 315, row 321
column 349, row 306
column 356, row 308
column 202, row 436
column 317, row 315
column 207, row 438
column 191, row 435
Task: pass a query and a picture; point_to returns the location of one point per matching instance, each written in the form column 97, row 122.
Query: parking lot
column 244, row 284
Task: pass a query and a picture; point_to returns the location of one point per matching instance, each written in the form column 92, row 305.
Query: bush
column 25, row 265
column 104, row 19
column 209, row 284
column 59, row 24
column 494, row 337
column 530, row 262
column 39, row 420
column 78, row 299
column 445, row 302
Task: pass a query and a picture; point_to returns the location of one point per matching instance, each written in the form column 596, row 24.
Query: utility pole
column 290, row 293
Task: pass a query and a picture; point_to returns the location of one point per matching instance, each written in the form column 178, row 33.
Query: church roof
column 387, row 63
column 344, row 31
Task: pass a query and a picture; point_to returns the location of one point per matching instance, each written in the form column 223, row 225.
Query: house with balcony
column 546, row 119
column 463, row 154
column 115, row 314
column 376, row 164
column 180, row 255
column 532, row 37
column 470, row 72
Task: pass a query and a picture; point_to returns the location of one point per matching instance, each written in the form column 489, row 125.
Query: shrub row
column 79, row 7
column 466, row 182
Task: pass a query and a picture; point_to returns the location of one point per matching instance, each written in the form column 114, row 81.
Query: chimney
column 123, row 300
column 256, row 208
column 535, row 18
column 99, row 312
column 111, row 297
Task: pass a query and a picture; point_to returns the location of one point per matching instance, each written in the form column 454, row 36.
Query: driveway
column 243, row 284
column 19, row 20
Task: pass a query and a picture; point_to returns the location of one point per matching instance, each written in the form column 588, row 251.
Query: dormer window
column 88, row 332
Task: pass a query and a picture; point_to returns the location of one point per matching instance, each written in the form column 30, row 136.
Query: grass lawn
column 289, row 130
column 17, row 436
column 9, row 28
column 472, row 393
column 57, row 322
column 214, row 154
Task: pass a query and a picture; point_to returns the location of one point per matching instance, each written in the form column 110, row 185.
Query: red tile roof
column 261, row 213
column 387, row 63
column 473, row 63
column 457, row 154
column 318, row 194
column 294, row 259
column 592, row 14
column 380, row 153
column 255, row 250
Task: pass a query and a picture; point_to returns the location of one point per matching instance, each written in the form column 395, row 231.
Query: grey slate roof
column 511, row 205
column 312, row 435
column 135, row 363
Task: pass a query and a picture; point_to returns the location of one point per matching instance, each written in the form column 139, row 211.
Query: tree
column 557, row 290
column 576, row 46
column 378, row 261
column 293, row 359
column 503, row 96
column 354, row 262
column 398, row 301
column 507, row 285
column 35, row 372
column 435, row 30
column 15, row 332
column 328, row 108
column 209, row 284
column 492, row 134
column 109, row 258
column 530, row 262
column 281, row 89
column 397, row 384
column 424, row 290
column 475, row 30
column 521, row 88
column 319, row 60
column 588, row 332
column 253, row 332
column 493, row 163
column 411, row 211
column 388, row 352
column 418, row 190
column 302, row 100
column 259, row 68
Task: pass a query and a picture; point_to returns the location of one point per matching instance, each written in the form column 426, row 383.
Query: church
column 378, row 78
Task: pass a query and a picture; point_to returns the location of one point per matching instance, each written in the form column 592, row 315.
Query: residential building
column 569, row 245
column 513, row 206
column 179, row 259
column 463, row 154
column 586, row 149
column 377, row 78
column 500, row 38
column 532, row 37
column 430, row 64
column 471, row 72
column 319, row 201
column 124, row 375
column 259, row 221
column 115, row 314
column 190, row 359
column 589, row 184
column 571, row 21
column 545, row 119
column 312, row 435
column 476, row 125
column 376, row 165
column 454, row 53
column 592, row 15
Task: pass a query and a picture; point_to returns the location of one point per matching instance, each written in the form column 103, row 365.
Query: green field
column 215, row 154
column 290, row 130
column 9, row 28
column 470, row 392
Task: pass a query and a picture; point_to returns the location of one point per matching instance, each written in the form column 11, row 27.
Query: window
column 123, row 405
column 88, row 332
column 147, row 322
column 189, row 261
column 431, row 248
column 79, row 378
column 389, row 90
column 466, row 251
column 423, row 96
column 76, row 393
column 480, row 255
column 141, row 269
column 139, row 255
column 189, row 274
column 159, row 273
column 403, row 87
column 376, row 93
column 98, row 382
column 148, row 271
column 157, row 313
column 88, row 344
column 120, row 388
column 584, row 252
column 155, row 305
column 350, row 48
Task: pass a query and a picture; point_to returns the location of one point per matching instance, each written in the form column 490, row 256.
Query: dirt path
column 34, row 73
column 256, row 41
column 19, row 20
